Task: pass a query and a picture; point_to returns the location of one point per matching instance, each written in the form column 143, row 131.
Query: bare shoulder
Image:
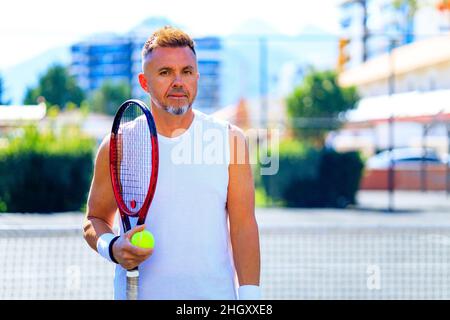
column 101, row 202
column 103, row 150
column 238, row 145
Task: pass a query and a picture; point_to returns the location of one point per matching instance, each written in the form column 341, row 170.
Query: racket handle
column 132, row 284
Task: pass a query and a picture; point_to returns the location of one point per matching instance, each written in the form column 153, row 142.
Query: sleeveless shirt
column 192, row 257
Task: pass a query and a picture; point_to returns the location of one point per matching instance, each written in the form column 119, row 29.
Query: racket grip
column 132, row 284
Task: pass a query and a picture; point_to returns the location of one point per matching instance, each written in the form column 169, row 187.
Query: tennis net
column 297, row 262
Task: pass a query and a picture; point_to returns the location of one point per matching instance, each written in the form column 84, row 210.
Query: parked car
column 410, row 158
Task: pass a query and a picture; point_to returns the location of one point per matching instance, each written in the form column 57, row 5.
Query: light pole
column 447, row 168
column 263, row 94
column 391, row 170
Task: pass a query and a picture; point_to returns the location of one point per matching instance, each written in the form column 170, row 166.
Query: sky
column 30, row 27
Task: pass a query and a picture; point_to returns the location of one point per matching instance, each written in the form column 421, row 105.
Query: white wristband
column 103, row 245
column 249, row 292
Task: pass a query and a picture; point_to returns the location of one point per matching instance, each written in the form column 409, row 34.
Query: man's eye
column 164, row 73
column 188, row 72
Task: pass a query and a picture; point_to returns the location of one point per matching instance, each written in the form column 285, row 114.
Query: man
column 202, row 213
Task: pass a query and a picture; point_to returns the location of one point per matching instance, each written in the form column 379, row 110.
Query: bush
column 44, row 171
column 308, row 177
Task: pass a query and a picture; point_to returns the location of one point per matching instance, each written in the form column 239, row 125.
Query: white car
column 410, row 158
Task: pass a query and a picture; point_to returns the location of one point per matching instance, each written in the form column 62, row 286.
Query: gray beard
column 177, row 111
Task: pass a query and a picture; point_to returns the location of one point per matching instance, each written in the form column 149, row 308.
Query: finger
column 130, row 265
column 140, row 260
column 135, row 251
column 136, row 229
column 133, row 262
column 140, row 252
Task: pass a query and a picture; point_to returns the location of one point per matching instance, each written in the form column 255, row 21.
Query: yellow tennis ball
column 143, row 239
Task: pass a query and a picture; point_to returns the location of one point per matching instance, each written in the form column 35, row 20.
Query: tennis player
column 202, row 214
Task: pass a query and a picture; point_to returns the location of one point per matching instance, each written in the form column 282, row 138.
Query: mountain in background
column 26, row 74
column 288, row 57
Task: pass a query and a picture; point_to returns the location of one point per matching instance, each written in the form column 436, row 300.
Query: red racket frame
column 124, row 212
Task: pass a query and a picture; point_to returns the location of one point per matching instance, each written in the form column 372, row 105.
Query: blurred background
column 349, row 101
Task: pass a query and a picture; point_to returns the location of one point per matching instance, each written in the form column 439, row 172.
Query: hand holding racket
column 133, row 157
column 128, row 255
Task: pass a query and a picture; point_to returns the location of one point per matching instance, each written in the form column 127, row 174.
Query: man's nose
column 177, row 81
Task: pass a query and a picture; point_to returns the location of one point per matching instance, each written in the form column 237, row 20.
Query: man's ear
column 143, row 82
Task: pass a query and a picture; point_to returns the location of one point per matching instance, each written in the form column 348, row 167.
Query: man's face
column 170, row 77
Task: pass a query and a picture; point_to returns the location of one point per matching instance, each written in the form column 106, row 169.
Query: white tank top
column 192, row 257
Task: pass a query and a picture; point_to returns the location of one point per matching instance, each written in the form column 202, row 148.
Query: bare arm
column 101, row 205
column 101, row 210
column 241, row 210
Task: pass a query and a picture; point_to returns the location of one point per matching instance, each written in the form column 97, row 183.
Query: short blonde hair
column 167, row 37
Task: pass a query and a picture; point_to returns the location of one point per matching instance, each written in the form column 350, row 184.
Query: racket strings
column 133, row 160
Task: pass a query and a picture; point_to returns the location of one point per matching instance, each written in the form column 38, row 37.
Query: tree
column 110, row 96
column 2, row 92
column 316, row 106
column 57, row 86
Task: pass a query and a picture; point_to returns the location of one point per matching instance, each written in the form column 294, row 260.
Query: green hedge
column 42, row 171
column 308, row 177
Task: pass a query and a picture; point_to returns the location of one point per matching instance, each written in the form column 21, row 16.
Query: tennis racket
column 133, row 163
